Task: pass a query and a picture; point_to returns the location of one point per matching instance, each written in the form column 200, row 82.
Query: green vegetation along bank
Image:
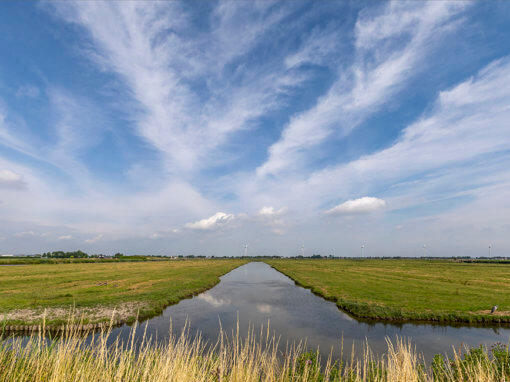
column 28, row 293
column 435, row 290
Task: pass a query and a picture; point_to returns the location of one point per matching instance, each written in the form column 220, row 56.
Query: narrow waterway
column 255, row 294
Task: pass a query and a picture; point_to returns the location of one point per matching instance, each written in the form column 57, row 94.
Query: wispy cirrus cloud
column 467, row 122
column 454, row 155
column 160, row 56
column 362, row 205
column 178, row 112
column 391, row 47
column 28, row 91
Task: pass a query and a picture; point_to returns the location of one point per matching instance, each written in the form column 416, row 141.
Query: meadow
column 24, row 260
column 97, row 290
column 233, row 358
column 429, row 290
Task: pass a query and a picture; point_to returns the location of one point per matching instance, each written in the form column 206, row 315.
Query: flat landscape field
column 435, row 290
column 96, row 290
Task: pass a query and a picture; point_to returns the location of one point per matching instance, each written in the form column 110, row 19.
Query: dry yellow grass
column 255, row 358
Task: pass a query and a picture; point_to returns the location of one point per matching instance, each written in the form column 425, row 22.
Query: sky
column 292, row 127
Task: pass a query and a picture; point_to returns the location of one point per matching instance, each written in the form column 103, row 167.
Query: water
column 255, row 293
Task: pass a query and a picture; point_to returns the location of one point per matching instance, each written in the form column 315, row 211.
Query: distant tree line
column 64, row 255
column 120, row 256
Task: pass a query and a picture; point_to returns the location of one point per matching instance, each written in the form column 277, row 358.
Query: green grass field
column 41, row 260
column 433, row 290
column 95, row 289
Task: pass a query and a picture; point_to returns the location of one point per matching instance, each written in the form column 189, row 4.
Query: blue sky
column 196, row 127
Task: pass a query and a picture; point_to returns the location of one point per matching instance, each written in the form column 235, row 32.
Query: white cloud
column 77, row 125
column 467, row 123
column 65, row 237
column 28, row 91
column 218, row 220
column 264, row 308
column 270, row 212
column 358, row 206
column 380, row 71
column 164, row 233
column 94, row 239
column 150, row 47
column 452, row 151
column 216, row 302
column 25, row 234
column 273, row 218
column 9, row 179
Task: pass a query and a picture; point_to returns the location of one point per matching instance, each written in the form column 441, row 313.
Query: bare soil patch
column 92, row 314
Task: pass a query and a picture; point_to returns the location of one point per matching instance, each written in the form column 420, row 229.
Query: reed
column 254, row 357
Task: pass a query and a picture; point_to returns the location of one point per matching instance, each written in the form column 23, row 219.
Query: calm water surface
column 256, row 293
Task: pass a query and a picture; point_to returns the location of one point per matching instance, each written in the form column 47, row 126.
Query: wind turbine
column 424, row 249
column 362, row 248
column 245, row 250
column 490, row 247
column 303, row 250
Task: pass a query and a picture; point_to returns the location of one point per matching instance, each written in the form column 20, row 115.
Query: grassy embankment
column 97, row 290
column 435, row 290
column 233, row 359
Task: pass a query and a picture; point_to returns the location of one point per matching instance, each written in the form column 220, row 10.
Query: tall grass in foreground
column 231, row 358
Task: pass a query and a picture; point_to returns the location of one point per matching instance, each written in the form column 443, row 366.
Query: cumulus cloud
column 273, row 218
column 216, row 302
column 9, row 179
column 218, row 220
column 264, row 308
column 357, row 206
column 270, row 212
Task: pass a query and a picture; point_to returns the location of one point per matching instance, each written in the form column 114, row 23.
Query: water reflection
column 257, row 294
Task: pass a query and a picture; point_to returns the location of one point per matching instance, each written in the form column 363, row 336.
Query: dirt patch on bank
column 505, row 313
column 91, row 314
